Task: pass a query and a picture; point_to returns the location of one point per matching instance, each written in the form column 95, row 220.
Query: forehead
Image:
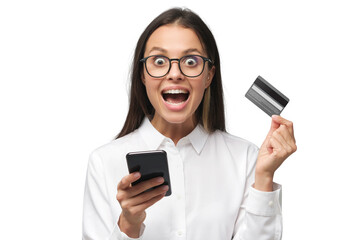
column 173, row 39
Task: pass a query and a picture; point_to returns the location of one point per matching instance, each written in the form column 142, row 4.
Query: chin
column 178, row 118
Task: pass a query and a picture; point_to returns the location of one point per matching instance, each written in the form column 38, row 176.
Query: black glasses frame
column 178, row 60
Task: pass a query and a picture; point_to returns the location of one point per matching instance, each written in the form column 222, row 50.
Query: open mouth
column 175, row 96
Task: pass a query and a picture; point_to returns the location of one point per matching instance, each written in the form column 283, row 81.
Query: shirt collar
column 151, row 136
column 198, row 138
column 154, row 139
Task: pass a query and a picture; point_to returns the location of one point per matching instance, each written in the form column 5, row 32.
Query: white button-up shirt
column 212, row 195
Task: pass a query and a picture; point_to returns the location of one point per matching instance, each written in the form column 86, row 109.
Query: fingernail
column 137, row 175
column 165, row 187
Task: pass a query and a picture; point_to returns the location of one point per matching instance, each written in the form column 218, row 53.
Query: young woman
column 222, row 185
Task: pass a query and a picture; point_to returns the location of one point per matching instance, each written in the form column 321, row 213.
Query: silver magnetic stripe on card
column 261, row 102
column 264, row 95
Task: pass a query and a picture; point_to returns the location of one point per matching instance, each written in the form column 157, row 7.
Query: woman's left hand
column 278, row 145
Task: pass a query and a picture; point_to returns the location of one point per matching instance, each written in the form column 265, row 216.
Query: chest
column 207, row 192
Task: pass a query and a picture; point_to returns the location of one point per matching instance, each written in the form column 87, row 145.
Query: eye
column 191, row 61
column 159, row 61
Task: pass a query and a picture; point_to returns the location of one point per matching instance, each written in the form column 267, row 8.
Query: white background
column 64, row 70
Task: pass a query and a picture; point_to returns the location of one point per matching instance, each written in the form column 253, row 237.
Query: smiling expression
column 175, row 97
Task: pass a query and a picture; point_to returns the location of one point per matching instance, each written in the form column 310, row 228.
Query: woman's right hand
column 134, row 201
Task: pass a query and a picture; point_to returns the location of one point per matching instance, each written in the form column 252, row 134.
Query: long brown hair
column 210, row 112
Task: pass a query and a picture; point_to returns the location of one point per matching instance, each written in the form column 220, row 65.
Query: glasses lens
column 157, row 66
column 192, row 65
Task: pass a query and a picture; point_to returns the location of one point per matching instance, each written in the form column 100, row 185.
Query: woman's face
column 175, row 97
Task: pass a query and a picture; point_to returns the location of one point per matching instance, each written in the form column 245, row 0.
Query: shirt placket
column 178, row 190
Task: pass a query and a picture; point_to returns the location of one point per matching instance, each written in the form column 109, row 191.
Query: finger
column 290, row 142
column 275, row 140
column 282, row 121
column 285, row 133
column 281, row 145
column 146, row 196
column 143, row 186
column 142, row 198
column 142, row 207
column 273, row 127
column 281, row 139
column 279, row 119
column 127, row 180
column 279, row 151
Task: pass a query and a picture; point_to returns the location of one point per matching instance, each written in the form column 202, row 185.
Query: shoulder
column 233, row 140
column 117, row 148
column 235, row 143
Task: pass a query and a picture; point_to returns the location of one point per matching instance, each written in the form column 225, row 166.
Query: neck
column 174, row 131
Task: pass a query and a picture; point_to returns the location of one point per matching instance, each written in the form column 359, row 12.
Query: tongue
column 175, row 98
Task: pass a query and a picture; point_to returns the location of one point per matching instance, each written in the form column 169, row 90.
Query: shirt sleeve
column 117, row 234
column 260, row 214
column 98, row 223
column 261, row 217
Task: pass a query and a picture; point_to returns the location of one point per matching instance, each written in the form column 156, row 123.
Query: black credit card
column 266, row 97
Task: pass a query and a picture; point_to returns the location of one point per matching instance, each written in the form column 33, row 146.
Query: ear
column 143, row 78
column 210, row 77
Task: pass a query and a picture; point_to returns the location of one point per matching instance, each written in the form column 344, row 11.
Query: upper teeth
column 175, row 91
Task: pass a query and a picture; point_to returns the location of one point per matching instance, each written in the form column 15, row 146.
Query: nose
column 175, row 73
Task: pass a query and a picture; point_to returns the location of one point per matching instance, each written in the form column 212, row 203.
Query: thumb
column 274, row 125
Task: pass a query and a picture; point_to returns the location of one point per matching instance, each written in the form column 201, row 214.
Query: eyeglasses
column 158, row 66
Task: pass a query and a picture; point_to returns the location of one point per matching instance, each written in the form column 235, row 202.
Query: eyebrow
column 190, row 50
column 158, row 49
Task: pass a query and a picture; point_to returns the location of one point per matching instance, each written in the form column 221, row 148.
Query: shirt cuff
column 264, row 203
column 118, row 235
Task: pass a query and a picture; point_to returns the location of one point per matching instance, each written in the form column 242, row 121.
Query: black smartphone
column 150, row 164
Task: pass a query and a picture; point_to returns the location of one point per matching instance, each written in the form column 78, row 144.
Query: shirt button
column 179, row 197
column 179, row 233
column 271, row 203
